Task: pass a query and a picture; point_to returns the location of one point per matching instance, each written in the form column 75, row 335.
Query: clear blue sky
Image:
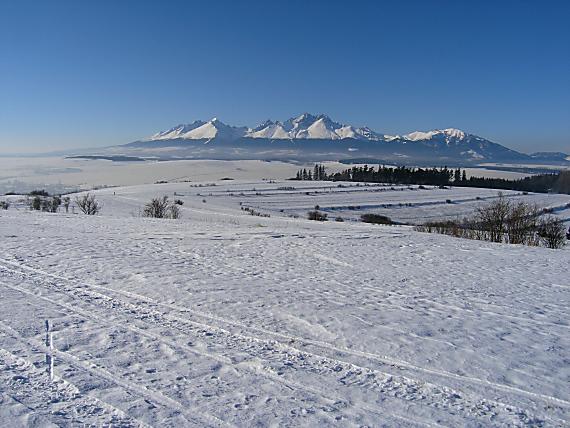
column 94, row 73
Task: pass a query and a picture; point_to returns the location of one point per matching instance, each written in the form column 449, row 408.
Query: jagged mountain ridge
column 303, row 126
column 311, row 137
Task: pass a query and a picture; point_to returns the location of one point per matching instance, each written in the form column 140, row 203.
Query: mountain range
column 311, row 137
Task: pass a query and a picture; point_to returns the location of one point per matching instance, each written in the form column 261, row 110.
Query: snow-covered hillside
column 222, row 318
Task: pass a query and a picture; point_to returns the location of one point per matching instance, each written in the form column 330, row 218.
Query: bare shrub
column 4, row 205
column 375, row 219
column 445, row 227
column 66, row 202
column 503, row 221
column 521, row 223
column 174, row 211
column 253, row 212
column 161, row 208
column 35, row 203
column 317, row 216
column 551, row 232
column 491, row 218
column 156, row 208
column 51, row 205
column 88, row 204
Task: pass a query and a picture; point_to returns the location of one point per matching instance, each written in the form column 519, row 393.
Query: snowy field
column 226, row 319
column 406, row 204
column 58, row 175
column 293, row 199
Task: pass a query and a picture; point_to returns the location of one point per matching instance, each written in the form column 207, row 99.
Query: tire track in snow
column 381, row 358
column 196, row 417
column 408, row 382
column 256, row 369
column 23, row 382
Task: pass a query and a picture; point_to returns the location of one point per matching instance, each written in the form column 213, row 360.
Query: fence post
column 49, row 352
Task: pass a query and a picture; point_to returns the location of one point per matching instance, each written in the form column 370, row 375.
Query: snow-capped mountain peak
column 309, row 126
column 199, row 130
column 177, row 132
column 454, row 133
column 268, row 129
column 304, row 126
column 448, row 133
column 310, row 136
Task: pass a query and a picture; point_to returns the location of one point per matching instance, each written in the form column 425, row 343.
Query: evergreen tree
column 457, row 175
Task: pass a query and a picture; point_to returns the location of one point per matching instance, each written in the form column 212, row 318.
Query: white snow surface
column 222, row 318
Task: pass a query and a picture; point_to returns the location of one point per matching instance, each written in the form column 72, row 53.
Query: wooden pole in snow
column 49, row 353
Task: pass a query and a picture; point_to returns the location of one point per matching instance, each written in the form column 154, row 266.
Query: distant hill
column 551, row 156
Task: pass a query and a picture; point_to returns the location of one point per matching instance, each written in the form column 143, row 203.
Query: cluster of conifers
column 541, row 183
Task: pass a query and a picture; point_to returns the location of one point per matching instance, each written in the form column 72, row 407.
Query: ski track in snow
column 225, row 319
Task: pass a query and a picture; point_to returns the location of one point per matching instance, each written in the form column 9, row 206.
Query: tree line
column 505, row 221
column 541, row 183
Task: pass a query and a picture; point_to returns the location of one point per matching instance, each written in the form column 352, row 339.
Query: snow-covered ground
column 286, row 198
column 223, row 318
column 57, row 174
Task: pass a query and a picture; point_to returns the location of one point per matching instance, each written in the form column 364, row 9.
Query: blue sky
column 96, row 73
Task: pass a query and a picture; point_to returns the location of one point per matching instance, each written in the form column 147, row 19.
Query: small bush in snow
column 51, row 205
column 504, row 221
column 161, row 208
column 174, row 212
column 375, row 219
column 317, row 216
column 4, row 205
column 551, row 232
column 66, row 202
column 36, row 203
column 87, row 204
